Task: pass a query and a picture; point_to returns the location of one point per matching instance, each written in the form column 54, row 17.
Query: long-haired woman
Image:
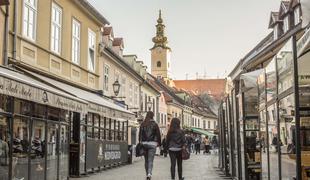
column 175, row 143
column 149, row 136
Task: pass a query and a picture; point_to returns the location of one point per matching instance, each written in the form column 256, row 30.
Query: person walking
column 206, row 142
column 197, row 145
column 164, row 144
column 149, row 136
column 175, row 142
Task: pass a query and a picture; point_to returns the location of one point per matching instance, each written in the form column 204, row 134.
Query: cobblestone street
column 199, row 167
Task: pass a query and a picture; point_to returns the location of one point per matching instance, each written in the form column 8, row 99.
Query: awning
column 96, row 104
column 19, row 85
column 203, row 132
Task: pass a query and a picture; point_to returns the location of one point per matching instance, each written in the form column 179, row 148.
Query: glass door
column 63, row 152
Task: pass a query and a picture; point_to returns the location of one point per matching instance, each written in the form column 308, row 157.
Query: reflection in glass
column 304, row 99
column 285, row 67
column 261, row 90
column 3, row 103
column 287, row 137
column 37, row 150
column 4, row 148
column 264, row 144
column 271, row 80
column 63, row 152
column 20, row 148
column 82, row 148
column 251, row 102
column 52, row 154
column 273, row 141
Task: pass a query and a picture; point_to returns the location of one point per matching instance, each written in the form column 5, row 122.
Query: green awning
column 203, row 132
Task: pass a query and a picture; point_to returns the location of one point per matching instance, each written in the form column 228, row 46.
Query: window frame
column 76, row 37
column 297, row 16
column 106, row 77
column 91, row 34
column 57, row 25
column 34, row 8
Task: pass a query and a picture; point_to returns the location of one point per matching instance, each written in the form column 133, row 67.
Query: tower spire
column 160, row 40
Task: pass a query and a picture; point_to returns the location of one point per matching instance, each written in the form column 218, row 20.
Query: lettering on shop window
column 112, row 152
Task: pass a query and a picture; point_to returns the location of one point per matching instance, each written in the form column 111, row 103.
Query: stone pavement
column 198, row 167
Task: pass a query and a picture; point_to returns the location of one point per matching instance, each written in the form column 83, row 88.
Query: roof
column 118, row 42
column 93, row 11
column 274, row 18
column 108, row 30
column 216, row 87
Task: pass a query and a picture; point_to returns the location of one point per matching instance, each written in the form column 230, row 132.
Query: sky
column 207, row 37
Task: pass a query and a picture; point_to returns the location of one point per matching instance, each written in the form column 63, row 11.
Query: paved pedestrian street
column 198, row 167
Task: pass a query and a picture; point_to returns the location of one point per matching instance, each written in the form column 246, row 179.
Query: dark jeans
column 197, row 148
column 149, row 153
column 176, row 157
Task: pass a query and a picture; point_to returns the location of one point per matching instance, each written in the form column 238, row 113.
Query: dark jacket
column 150, row 132
column 175, row 139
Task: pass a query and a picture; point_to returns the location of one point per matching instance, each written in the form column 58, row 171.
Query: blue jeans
column 149, row 153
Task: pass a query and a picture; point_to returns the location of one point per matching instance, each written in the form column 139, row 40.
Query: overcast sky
column 207, row 37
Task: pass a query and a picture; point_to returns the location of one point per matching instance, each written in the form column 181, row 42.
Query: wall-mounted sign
column 23, row 91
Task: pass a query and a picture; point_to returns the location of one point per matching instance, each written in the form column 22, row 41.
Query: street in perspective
column 154, row 90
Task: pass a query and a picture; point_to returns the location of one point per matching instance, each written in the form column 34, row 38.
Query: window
column 56, row 29
column 135, row 98
column 29, row 19
column 158, row 64
column 91, row 50
column 296, row 15
column 275, row 32
column 76, row 31
column 286, row 24
column 130, row 92
column 106, row 77
column 123, row 86
column 209, row 125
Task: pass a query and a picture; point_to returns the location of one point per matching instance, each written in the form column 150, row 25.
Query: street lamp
column 116, row 87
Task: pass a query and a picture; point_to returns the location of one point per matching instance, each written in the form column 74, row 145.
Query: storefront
column 274, row 111
column 34, row 128
column 100, row 138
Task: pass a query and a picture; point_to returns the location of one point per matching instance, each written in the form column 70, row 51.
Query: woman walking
column 175, row 143
column 149, row 136
column 207, row 145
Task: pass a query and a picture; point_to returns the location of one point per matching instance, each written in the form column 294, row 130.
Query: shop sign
column 100, row 153
column 103, row 111
column 304, row 79
column 303, row 42
column 23, row 91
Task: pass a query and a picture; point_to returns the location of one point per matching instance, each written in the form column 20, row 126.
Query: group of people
column 173, row 144
column 194, row 143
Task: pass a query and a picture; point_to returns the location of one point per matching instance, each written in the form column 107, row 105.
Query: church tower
column 160, row 52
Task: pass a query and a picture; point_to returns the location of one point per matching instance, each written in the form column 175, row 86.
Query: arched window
column 158, row 64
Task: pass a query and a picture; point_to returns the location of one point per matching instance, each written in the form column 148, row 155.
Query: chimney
column 108, row 36
column 118, row 46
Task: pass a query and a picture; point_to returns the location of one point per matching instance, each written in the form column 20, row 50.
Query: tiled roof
column 118, row 42
column 216, row 87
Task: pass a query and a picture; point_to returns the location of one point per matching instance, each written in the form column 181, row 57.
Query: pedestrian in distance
column 206, row 142
column 197, row 145
column 164, row 144
column 149, row 136
column 175, row 143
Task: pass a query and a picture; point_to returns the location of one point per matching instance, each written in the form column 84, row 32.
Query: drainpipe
column 14, row 29
column 6, row 36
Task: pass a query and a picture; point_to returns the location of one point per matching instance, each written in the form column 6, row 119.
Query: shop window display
column 4, row 148
column 21, row 148
column 63, row 152
column 264, row 144
column 37, row 150
column 304, row 100
column 52, row 146
column 287, row 137
column 82, row 147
